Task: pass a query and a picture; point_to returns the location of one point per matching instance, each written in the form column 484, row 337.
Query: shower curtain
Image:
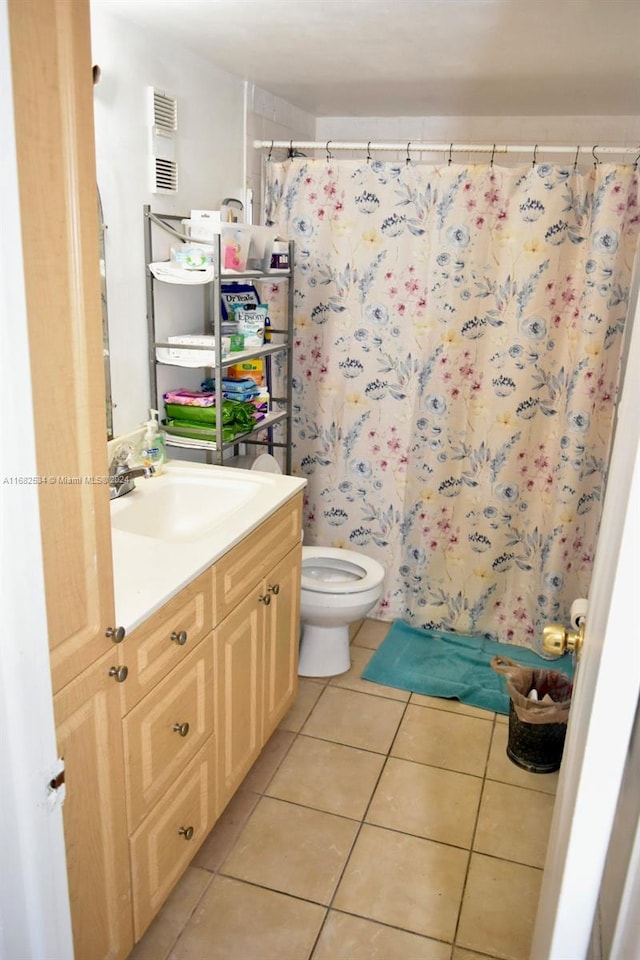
column 458, row 332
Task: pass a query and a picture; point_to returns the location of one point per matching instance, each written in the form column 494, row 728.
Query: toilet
column 338, row 587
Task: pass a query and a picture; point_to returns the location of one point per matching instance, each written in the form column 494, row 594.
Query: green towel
column 451, row 665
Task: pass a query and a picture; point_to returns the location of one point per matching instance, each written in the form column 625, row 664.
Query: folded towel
column 169, row 273
column 190, row 398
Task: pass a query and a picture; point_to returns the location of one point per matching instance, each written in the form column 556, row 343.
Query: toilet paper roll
column 578, row 612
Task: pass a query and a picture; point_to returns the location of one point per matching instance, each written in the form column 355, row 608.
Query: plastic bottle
column 153, row 453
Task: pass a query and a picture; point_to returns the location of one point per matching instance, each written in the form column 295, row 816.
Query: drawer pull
column 265, row 598
column 119, row 673
column 179, row 638
column 186, row 832
column 275, row 589
column 181, row 728
column 115, row 633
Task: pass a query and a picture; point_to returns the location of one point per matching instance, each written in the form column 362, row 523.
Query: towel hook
column 635, row 162
column 575, row 162
column 270, row 152
column 493, row 153
column 593, row 154
column 369, row 152
column 535, row 151
column 450, row 152
column 408, row 160
column 290, row 149
column 329, row 154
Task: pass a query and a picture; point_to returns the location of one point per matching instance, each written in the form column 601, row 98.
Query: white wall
column 583, row 130
column 210, row 159
column 270, row 118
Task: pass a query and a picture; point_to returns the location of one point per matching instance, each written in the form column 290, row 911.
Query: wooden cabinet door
column 59, row 219
column 238, row 694
column 89, row 732
column 281, row 630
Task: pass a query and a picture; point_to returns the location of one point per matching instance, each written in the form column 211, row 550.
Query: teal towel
column 451, row 665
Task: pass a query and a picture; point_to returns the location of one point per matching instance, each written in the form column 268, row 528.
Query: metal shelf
column 212, row 307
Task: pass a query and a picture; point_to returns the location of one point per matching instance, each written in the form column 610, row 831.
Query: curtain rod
column 418, row 146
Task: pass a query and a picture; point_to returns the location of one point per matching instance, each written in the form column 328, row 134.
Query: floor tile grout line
column 475, row 829
column 295, row 734
column 356, row 836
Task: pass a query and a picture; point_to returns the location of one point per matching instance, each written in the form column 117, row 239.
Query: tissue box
column 204, row 225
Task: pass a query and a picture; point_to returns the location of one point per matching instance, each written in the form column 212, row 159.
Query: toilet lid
column 334, row 570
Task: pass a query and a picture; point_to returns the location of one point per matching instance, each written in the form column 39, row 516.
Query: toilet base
column 324, row 651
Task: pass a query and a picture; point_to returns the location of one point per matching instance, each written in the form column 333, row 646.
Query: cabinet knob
column 119, row 673
column 115, row 633
column 275, row 589
column 265, row 598
column 179, row 638
column 186, row 832
column 181, row 728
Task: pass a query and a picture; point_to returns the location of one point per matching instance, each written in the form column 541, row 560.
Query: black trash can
column 537, row 728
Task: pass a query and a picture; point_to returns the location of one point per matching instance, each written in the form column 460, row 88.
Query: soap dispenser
column 153, row 453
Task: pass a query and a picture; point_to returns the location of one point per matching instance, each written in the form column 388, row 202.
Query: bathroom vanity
column 205, row 674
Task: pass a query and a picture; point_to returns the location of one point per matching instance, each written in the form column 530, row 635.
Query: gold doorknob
column 557, row 639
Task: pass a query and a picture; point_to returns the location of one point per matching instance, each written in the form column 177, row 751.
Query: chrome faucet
column 122, row 476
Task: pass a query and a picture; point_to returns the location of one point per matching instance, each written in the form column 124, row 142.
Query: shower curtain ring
column 450, row 152
column 329, row 154
column 408, row 160
column 493, row 153
column 535, row 150
column 575, row 162
column 270, row 152
column 593, row 154
column 369, row 152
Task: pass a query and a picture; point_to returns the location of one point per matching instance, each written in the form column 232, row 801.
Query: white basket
column 190, row 357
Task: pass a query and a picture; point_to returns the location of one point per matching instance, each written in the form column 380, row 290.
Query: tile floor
column 375, row 825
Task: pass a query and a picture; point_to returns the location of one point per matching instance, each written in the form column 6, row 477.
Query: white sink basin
column 180, row 507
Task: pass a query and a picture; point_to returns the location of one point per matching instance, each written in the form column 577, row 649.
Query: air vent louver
column 165, row 111
column 164, row 125
column 166, row 176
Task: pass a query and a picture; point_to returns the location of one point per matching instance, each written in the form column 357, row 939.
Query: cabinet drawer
column 243, row 567
column 166, row 730
column 160, row 852
column 165, row 639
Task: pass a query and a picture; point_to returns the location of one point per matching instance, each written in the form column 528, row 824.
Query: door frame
column 604, row 702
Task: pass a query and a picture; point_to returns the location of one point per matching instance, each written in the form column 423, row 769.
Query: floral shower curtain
column 457, row 343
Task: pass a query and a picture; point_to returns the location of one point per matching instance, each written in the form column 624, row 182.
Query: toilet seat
column 333, row 570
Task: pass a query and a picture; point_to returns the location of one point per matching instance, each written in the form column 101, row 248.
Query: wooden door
column 238, row 694
column 53, row 103
column 89, row 732
column 281, row 639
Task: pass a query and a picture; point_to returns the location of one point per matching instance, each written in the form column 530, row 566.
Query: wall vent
column 164, row 127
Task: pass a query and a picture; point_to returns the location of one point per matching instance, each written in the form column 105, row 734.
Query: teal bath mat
column 450, row 665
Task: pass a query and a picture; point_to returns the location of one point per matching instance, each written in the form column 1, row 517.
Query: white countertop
column 149, row 570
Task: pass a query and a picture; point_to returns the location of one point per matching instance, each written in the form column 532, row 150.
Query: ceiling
column 351, row 58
